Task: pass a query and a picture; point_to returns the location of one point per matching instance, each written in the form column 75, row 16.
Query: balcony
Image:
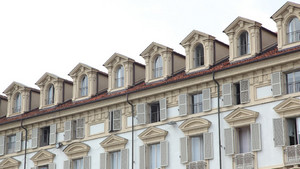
column 292, row 155
column 244, row 161
column 196, row 165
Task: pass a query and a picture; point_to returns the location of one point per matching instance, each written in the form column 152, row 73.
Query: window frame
column 84, row 86
column 114, row 161
column 42, row 140
column 294, row 82
column 243, row 43
column 197, row 105
column 17, row 106
column 10, row 144
column 292, row 30
column 154, row 113
column 74, row 162
column 120, row 77
column 50, row 95
column 158, row 67
column 198, row 56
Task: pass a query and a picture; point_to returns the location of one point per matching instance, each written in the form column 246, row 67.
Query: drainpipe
column 219, row 125
column 25, row 152
column 132, row 130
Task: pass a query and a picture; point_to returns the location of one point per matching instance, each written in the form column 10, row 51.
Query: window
column 11, row 141
column 74, row 129
column 154, row 155
column 243, row 135
column 158, row 67
column 244, row 45
column 120, row 77
column 294, row 130
column 17, row 103
column 50, row 98
column 198, row 56
column 45, row 135
column 77, row 164
column 115, row 160
column 293, row 82
column 197, row 103
column 293, row 31
column 115, row 120
column 154, row 113
column 43, row 167
column 84, row 86
column 197, row 148
column 237, row 94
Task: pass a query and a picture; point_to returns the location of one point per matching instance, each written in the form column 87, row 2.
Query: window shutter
column 67, row 164
column 142, row 157
column 117, row 119
column 183, row 104
column 208, row 146
column 80, row 128
column 141, row 113
column 206, row 99
column 51, row 166
column 124, row 159
column 68, row 133
column 164, row 153
column 34, row 138
column 244, row 91
column 279, row 132
column 52, row 137
column 2, row 145
column 103, row 160
column 163, row 109
column 87, row 162
column 229, row 141
column 276, row 83
column 18, row 145
column 34, row 167
column 184, row 151
column 110, row 121
column 255, row 137
column 227, row 94
column 239, row 161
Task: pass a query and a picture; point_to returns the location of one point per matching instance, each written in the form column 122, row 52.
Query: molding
column 42, row 157
column 10, row 163
column 113, row 143
column 76, row 150
column 288, row 108
column 195, row 126
column 241, row 117
column 153, row 135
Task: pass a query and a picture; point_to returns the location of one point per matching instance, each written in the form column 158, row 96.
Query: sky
column 39, row 36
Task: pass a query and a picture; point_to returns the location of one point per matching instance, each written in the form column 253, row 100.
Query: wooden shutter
column 141, row 110
column 229, row 141
column 163, row 109
column 206, row 99
column 208, row 146
column 164, row 153
column 34, row 138
column 18, row 145
column 227, row 94
column 124, row 159
column 276, row 84
column 2, row 145
column 184, row 150
column 51, row 166
column 142, row 157
column 255, row 137
column 117, row 119
column 67, row 164
column 183, row 104
column 103, row 160
column 52, row 136
column 80, row 128
column 87, row 162
column 68, row 133
column 244, row 91
column 279, row 132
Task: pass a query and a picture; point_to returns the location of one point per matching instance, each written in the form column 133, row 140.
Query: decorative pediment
column 113, row 143
column 10, row 163
column 42, row 157
column 288, row 108
column 15, row 86
column 287, row 7
column 154, row 48
column 82, row 68
column 239, row 23
column 117, row 58
column 77, row 150
column 241, row 117
column 153, row 135
column 47, row 77
column 195, row 126
column 195, row 36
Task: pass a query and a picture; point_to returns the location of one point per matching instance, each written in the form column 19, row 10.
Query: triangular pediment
column 285, row 8
column 81, row 67
column 194, row 36
column 14, row 86
column 76, row 148
column 9, row 162
column 42, row 155
column 154, row 47
column 287, row 106
column 47, row 77
column 114, row 142
column 240, row 22
column 241, row 116
column 116, row 58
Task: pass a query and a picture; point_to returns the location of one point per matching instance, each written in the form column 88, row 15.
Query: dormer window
column 84, row 86
column 120, row 77
column 158, row 68
column 50, row 98
column 199, row 56
column 17, row 103
column 293, row 31
column 244, row 44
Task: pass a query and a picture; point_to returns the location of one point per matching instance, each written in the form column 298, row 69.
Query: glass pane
column 199, row 56
column 197, row 103
column 195, row 148
column 115, row 160
column 84, row 86
column 158, row 67
column 290, row 83
column 244, row 139
column 297, row 81
column 120, row 77
column 244, row 43
column 78, row 164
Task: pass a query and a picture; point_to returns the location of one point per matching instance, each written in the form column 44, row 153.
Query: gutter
column 26, row 134
column 132, row 130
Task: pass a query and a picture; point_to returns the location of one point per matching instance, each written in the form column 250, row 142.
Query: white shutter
column 142, row 157
column 184, row 150
column 276, row 83
column 208, row 146
column 87, row 162
column 80, row 128
column 52, row 137
column 18, row 145
column 117, row 119
column 255, row 137
column 229, row 141
column 67, row 164
column 141, row 110
column 183, row 104
column 206, row 99
column 103, row 160
column 124, row 159
column 2, row 145
column 163, row 109
column 68, row 133
column 34, row 138
column 244, row 91
column 279, row 132
column 164, row 153
column 227, row 94
column 51, row 166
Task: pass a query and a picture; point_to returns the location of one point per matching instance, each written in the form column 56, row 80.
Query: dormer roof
column 239, row 21
column 81, row 66
column 154, row 47
column 281, row 10
column 15, row 85
column 195, row 35
column 46, row 77
column 116, row 56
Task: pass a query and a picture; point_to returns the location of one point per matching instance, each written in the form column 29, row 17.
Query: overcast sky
column 38, row 36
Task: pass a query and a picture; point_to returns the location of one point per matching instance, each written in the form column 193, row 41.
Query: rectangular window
column 154, row 113
column 294, row 130
column 11, row 141
column 115, row 120
column 43, row 167
column 197, row 103
column 293, row 82
column 44, row 137
column 74, row 129
column 243, row 136
column 154, row 155
column 115, row 160
column 197, row 148
column 236, row 90
column 77, row 164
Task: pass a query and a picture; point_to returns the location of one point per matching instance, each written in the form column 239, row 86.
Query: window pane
column 197, row 148
column 158, row 67
column 120, row 77
column 244, row 44
column 78, row 164
column 293, row 32
column 11, row 144
column 244, row 139
column 199, row 56
column 155, row 112
column 50, row 99
column 17, row 103
column 84, row 86
column 297, row 81
column 290, row 83
column 115, row 160
column 197, row 103
column 154, row 156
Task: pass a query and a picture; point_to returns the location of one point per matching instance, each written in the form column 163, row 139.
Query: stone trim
column 42, row 157
column 195, row 126
column 153, row 135
column 10, row 163
column 113, row 143
column 241, row 117
column 76, row 150
column 288, row 108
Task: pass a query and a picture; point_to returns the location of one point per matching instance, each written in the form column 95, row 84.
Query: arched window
column 120, row 77
column 293, row 31
column 50, row 98
column 158, row 68
column 17, row 103
column 244, row 45
column 84, row 86
column 198, row 56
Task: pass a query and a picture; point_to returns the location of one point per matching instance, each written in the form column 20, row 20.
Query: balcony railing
column 244, row 161
column 292, row 155
column 196, row 165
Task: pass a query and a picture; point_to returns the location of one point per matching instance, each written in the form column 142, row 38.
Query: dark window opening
column 45, row 134
column 237, row 93
column 155, row 113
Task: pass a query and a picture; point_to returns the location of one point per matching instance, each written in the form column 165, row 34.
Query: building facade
column 233, row 106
